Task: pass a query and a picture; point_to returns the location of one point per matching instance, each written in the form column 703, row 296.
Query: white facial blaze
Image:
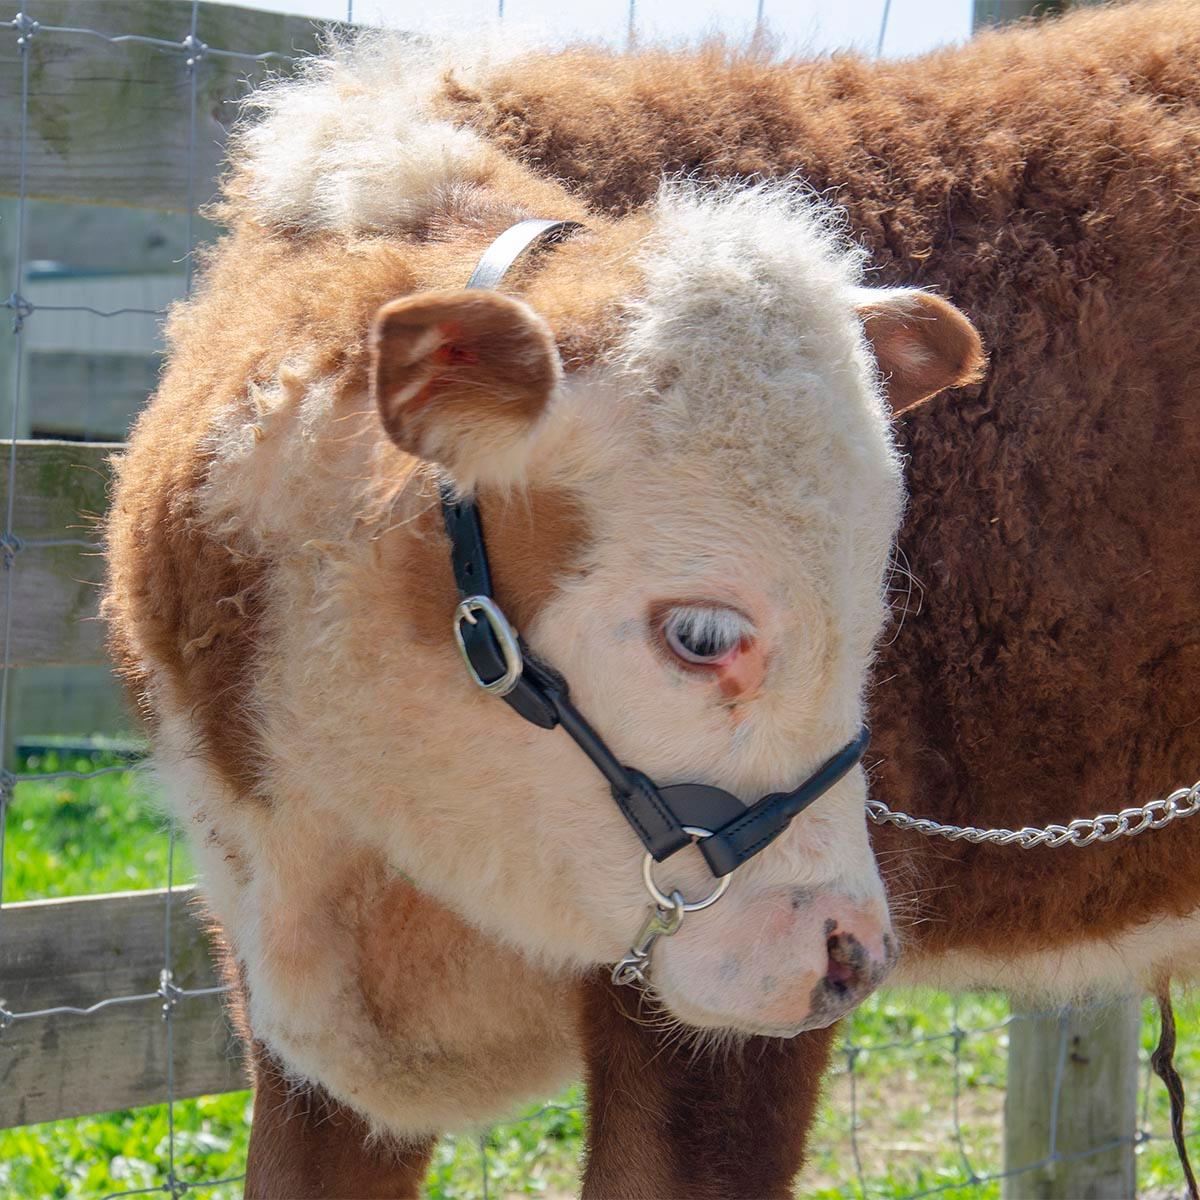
column 746, row 469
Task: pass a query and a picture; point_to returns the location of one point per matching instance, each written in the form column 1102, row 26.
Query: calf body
column 676, row 428
column 280, row 590
column 1046, row 666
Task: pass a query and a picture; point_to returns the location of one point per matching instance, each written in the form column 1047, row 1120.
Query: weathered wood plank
column 109, row 122
column 1096, row 1051
column 61, row 488
column 88, row 397
column 78, row 703
column 86, row 949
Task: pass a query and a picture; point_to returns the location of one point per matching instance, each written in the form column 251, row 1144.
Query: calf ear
column 461, row 379
column 922, row 343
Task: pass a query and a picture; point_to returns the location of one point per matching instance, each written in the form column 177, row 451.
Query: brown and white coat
column 280, row 593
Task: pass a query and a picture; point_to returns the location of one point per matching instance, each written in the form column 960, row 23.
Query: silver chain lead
column 1106, row 827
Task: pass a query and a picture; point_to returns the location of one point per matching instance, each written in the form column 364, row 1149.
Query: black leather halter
column 501, row 664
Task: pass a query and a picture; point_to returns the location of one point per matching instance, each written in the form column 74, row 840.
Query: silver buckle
column 506, row 635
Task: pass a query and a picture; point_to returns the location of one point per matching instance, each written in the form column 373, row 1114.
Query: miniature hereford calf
column 676, row 429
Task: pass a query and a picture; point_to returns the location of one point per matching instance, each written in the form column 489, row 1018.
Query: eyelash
column 685, row 629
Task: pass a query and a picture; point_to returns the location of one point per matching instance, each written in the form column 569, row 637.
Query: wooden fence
column 88, row 949
column 61, row 493
column 109, row 123
column 84, row 951
column 103, row 121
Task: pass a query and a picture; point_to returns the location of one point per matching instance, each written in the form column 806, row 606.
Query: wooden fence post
column 9, row 349
column 1072, row 1087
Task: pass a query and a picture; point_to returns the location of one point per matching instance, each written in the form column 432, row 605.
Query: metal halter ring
column 669, row 902
column 506, row 638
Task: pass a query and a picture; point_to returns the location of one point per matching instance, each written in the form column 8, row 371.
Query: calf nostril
column 846, row 960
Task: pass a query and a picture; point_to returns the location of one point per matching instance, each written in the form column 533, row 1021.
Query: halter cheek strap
column 664, row 819
column 500, row 663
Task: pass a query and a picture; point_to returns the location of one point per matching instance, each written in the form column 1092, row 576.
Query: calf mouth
column 851, row 974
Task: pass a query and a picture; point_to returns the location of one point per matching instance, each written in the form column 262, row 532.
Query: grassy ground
column 71, row 837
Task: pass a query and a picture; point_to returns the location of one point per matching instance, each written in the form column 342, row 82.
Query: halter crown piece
column 665, row 819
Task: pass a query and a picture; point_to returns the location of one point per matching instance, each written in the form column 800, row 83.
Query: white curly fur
column 349, row 142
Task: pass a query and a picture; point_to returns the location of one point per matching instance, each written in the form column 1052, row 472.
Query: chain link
column 1106, row 827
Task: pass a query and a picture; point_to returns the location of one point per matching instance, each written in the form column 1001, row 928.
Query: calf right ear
column 922, row 344
column 462, row 378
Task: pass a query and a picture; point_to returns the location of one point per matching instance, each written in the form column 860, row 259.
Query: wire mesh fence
column 915, row 1080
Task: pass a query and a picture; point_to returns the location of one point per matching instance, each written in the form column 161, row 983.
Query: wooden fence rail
column 109, row 122
column 85, row 949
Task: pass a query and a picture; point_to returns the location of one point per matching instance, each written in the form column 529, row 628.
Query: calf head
column 693, row 528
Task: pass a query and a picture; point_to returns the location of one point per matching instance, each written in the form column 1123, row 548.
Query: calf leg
column 304, row 1145
column 667, row 1121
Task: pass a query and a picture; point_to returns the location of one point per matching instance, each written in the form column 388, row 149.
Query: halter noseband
column 665, row 819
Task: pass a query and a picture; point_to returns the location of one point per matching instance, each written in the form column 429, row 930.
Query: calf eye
column 703, row 636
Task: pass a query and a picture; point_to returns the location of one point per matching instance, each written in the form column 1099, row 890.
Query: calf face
column 693, row 529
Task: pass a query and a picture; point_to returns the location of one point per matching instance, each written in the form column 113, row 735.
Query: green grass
column 108, row 834
column 75, row 837
column 92, row 1156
